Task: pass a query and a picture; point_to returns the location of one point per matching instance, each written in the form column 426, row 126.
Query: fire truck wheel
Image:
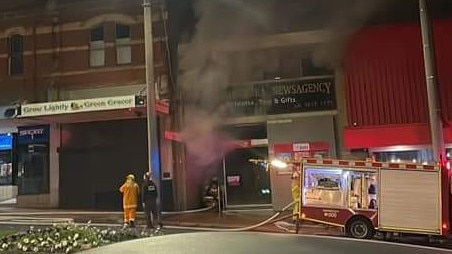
column 360, row 228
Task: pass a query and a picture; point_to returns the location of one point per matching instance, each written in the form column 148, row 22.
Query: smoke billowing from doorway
column 206, row 69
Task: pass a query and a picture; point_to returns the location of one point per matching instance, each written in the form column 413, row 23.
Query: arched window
column 15, row 54
column 122, row 42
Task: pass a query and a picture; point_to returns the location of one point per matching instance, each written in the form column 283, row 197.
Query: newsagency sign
column 281, row 97
column 77, row 106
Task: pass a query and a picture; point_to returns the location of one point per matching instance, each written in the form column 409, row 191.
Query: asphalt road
column 262, row 243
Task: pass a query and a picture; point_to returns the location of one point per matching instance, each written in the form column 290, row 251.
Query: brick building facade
column 70, row 50
column 54, row 47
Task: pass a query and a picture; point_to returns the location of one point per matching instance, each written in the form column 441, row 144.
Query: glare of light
column 448, row 155
column 345, row 176
column 278, row 164
column 8, row 134
column 277, row 78
column 398, row 160
column 414, row 160
column 424, row 163
column 392, row 160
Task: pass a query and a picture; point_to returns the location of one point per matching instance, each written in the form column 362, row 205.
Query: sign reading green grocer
column 77, row 106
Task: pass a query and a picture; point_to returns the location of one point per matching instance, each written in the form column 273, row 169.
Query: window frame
column 15, row 55
column 123, row 44
column 97, row 45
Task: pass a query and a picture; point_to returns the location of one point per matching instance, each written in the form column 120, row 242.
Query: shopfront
column 33, row 160
column 296, row 118
column 8, row 188
column 387, row 107
column 6, row 159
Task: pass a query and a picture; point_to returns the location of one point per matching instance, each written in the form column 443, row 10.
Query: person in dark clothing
column 149, row 195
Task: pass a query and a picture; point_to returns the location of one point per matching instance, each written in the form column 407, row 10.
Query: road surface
column 262, row 243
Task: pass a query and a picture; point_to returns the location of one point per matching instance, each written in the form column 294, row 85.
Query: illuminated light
column 277, row 78
column 398, row 160
column 8, row 134
column 303, row 215
column 345, row 175
column 424, row 163
column 448, row 165
column 448, row 155
column 392, row 160
column 414, row 160
column 444, row 226
column 278, row 164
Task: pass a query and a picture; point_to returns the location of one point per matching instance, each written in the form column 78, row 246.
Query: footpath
column 205, row 219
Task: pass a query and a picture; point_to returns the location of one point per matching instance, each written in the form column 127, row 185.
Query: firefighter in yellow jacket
column 295, row 186
column 130, row 191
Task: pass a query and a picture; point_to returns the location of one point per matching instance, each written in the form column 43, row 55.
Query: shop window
column 123, row 46
column 6, row 168
column 33, row 172
column 97, row 47
column 247, row 183
column 422, row 156
column 15, row 58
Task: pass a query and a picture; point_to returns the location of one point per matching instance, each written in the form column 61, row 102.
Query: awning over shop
column 391, row 135
column 76, row 111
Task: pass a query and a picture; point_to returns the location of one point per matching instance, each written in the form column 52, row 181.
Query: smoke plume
column 347, row 18
column 206, row 71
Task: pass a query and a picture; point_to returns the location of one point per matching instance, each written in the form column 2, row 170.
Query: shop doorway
column 246, row 184
column 33, row 173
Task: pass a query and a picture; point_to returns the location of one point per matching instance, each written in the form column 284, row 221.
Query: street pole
column 153, row 142
column 436, row 129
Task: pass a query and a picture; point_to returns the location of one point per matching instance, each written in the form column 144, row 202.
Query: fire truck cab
column 368, row 197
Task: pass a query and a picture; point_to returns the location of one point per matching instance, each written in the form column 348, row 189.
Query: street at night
column 226, row 126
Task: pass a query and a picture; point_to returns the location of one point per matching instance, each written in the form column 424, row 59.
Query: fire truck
column 364, row 197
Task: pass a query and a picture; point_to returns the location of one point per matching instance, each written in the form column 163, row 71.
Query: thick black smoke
column 205, row 70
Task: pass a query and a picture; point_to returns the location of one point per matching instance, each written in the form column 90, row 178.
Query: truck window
column 363, row 190
column 325, row 187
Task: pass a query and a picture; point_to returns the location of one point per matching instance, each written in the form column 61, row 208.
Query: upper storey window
column 15, row 54
column 97, row 47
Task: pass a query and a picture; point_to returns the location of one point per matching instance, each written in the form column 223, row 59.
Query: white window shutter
column 97, row 54
column 123, row 51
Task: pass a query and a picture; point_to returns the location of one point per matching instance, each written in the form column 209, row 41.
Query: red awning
column 390, row 135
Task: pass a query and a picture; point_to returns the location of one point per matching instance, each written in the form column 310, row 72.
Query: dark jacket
column 149, row 192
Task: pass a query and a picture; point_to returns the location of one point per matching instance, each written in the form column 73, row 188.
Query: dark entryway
column 95, row 158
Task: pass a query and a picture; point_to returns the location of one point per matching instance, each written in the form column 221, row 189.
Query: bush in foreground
column 67, row 238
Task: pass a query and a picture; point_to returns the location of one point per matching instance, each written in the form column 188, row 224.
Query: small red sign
column 162, row 107
column 174, row 136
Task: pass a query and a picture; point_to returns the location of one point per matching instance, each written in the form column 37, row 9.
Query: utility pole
column 153, row 142
column 434, row 109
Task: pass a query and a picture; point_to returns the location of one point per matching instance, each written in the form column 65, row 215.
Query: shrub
column 67, row 238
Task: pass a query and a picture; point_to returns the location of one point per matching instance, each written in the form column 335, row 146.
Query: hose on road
column 14, row 217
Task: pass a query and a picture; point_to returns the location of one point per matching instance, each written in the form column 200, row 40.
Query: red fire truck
column 368, row 197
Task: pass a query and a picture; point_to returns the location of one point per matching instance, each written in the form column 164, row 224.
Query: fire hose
column 260, row 224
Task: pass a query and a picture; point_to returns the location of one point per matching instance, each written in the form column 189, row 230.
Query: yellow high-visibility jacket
column 295, row 186
column 130, row 191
